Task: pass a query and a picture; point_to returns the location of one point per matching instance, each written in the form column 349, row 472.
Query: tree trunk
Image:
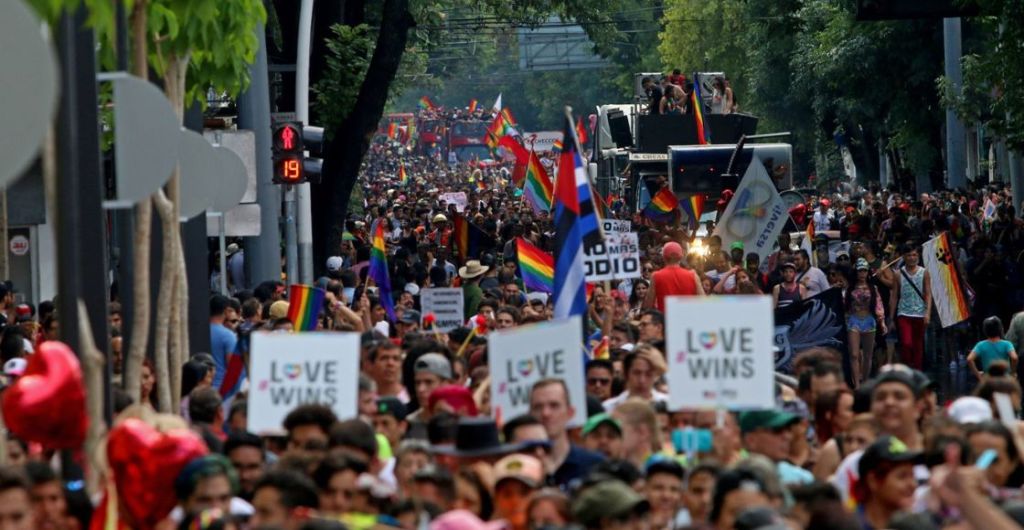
column 92, row 374
column 143, row 221
column 164, row 301
column 350, row 141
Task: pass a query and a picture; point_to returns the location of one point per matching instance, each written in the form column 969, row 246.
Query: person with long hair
column 637, row 297
column 833, row 412
column 864, row 317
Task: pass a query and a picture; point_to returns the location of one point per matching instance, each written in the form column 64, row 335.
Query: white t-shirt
column 814, row 280
column 822, row 221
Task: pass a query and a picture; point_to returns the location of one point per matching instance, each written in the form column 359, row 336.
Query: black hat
column 886, row 449
column 435, row 474
column 898, row 375
column 391, row 406
column 476, row 437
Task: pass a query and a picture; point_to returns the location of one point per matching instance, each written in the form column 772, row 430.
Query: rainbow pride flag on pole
column 538, row 189
column 536, row 266
column 379, row 268
column 948, row 290
column 703, row 133
column 663, row 205
column 472, row 106
column 425, row 104
column 403, row 177
column 694, row 208
column 304, row 305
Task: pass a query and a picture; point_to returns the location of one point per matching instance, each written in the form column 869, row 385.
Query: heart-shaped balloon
column 46, row 404
column 145, row 463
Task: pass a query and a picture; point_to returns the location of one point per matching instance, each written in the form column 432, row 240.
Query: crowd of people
column 861, row 438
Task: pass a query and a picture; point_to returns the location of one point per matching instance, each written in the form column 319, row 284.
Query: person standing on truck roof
column 654, row 95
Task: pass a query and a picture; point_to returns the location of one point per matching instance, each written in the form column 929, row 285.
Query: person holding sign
column 673, row 279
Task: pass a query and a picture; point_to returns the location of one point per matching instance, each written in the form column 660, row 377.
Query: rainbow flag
column 425, row 104
column 469, row 239
column 556, row 147
column 481, row 185
column 601, row 350
column 948, row 290
column 703, row 133
column 304, row 305
column 536, row 266
column 403, row 177
column 472, row 106
column 538, row 188
column 502, row 125
column 662, row 206
column 379, row 268
column 694, row 208
column 392, row 130
column 581, row 131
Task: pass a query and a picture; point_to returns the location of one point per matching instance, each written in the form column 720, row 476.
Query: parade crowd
column 867, row 436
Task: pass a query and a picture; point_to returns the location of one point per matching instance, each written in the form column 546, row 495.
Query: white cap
column 970, row 409
column 412, row 288
column 15, row 366
column 334, row 263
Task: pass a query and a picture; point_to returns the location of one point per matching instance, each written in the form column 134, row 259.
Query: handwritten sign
column 520, row 357
column 446, row 304
column 291, row 369
column 459, row 199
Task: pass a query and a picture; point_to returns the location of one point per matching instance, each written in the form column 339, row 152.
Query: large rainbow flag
column 403, row 177
column 663, row 205
column 304, row 305
column 469, row 239
column 502, row 125
column 379, row 268
column 949, row 292
column 538, row 188
column 536, row 266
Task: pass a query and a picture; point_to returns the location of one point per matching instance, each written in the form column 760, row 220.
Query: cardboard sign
column 446, row 304
column 520, row 357
column 459, row 199
column 616, row 258
column 290, row 369
column 720, row 352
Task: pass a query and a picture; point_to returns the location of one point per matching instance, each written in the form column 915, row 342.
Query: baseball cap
column 434, row 363
column 15, row 367
column 391, row 406
column 753, row 420
column 672, row 250
column 970, row 409
column 611, row 499
column 736, row 245
column 334, row 263
column 862, row 264
column 409, row 316
column 597, row 420
column 886, row 449
column 524, row 468
column 897, row 375
column 787, row 265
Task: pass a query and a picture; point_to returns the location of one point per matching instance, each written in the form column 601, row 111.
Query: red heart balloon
column 145, row 463
column 47, row 403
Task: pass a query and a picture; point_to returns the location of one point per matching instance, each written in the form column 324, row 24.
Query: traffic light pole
column 302, row 192
column 956, row 147
column 290, row 236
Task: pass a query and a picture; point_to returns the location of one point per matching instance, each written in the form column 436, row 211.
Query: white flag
column 497, row 104
column 755, row 215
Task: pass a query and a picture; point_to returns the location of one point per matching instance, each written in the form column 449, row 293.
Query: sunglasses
column 599, row 381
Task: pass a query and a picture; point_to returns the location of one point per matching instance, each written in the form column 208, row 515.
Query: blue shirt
column 991, row 351
column 222, row 344
column 576, row 466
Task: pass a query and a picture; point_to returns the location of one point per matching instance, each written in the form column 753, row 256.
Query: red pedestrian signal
column 289, row 155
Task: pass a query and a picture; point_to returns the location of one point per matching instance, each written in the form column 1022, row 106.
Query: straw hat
column 473, row 269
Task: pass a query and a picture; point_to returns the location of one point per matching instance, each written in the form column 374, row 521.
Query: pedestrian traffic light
column 313, row 142
column 289, row 155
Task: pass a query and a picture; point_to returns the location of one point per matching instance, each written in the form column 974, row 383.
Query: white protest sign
column 520, row 357
column 720, row 352
column 446, row 304
column 459, row 199
column 620, row 226
column 756, row 214
column 616, row 258
column 289, row 369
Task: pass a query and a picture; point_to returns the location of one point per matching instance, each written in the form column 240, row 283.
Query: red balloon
column 46, row 404
column 145, row 463
column 798, row 213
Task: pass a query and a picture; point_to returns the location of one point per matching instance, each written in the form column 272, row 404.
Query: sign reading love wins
column 520, row 357
column 291, row 369
column 720, row 352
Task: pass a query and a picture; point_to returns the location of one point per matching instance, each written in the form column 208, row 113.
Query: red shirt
column 672, row 280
